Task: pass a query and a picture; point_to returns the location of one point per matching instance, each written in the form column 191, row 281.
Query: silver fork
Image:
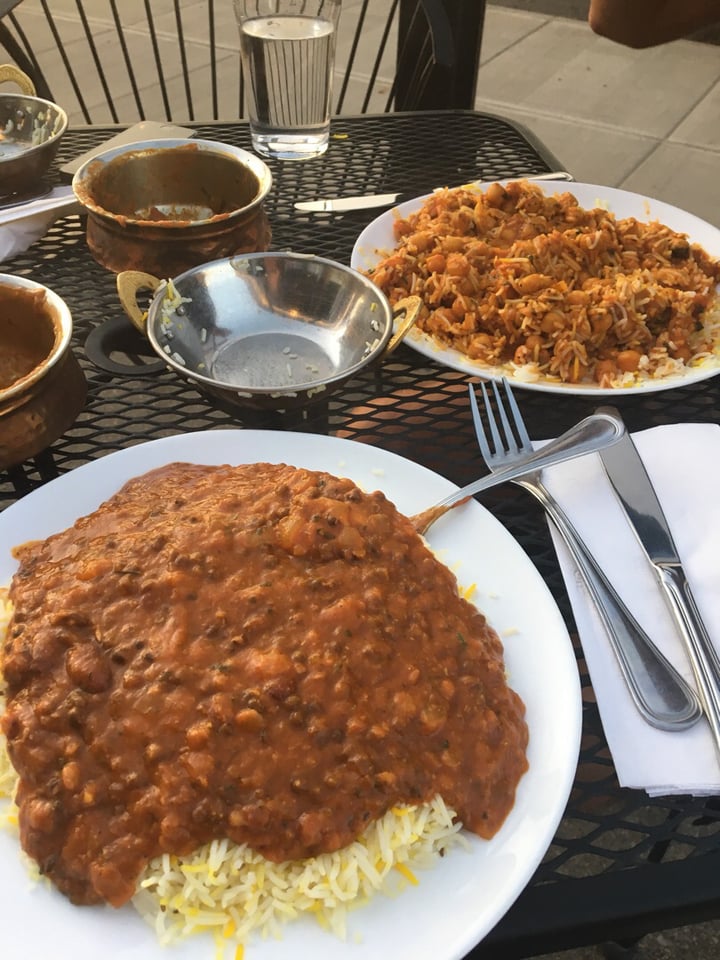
column 659, row 692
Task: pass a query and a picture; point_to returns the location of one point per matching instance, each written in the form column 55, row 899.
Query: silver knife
column 342, row 204
column 637, row 496
column 339, row 204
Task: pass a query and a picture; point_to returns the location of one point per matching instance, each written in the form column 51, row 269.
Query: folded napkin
column 22, row 225
column 683, row 461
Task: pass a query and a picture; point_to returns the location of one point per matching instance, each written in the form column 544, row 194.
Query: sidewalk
column 643, row 120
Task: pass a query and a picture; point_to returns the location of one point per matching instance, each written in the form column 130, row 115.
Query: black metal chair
column 118, row 61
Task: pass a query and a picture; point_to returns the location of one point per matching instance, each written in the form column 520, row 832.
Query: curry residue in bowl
column 27, row 334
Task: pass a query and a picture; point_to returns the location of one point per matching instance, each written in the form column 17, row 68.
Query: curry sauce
column 260, row 652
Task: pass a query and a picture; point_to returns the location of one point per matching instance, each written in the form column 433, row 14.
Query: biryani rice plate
column 545, row 290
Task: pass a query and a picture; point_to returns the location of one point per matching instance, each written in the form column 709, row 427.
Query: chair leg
column 450, row 85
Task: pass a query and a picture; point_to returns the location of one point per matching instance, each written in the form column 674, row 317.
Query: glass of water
column 288, row 54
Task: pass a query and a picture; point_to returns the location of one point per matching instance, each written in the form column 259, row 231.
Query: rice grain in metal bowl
column 539, row 287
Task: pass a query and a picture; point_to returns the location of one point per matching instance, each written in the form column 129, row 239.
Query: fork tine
column 479, row 426
column 510, row 441
column 480, row 431
column 521, row 429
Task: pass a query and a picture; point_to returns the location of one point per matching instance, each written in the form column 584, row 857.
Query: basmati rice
column 235, row 892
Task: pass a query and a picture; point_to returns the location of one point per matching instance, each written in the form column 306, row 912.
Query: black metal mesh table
column 621, row 864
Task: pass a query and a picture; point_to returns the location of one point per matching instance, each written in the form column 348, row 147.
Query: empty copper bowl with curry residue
column 165, row 206
column 42, row 387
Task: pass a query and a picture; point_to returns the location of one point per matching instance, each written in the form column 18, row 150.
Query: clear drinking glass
column 288, row 54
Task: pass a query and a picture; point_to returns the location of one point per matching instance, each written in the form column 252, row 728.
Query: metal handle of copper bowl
column 405, row 313
column 9, row 73
column 129, row 284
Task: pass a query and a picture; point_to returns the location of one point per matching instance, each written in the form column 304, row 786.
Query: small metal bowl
column 270, row 331
column 164, row 206
column 42, row 387
column 30, row 132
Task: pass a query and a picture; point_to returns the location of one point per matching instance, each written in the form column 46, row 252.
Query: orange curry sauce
column 259, row 652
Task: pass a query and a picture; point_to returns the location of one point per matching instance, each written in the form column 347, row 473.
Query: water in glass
column 288, row 60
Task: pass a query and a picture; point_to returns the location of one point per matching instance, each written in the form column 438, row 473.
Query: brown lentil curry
column 260, row 652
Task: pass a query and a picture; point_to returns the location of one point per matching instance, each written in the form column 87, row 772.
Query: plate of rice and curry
column 586, row 290
column 250, row 712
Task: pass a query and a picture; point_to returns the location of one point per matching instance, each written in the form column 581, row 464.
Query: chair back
column 119, row 61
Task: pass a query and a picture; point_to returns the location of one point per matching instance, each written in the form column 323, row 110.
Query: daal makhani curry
column 258, row 654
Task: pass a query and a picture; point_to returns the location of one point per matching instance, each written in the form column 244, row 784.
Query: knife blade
column 340, row 204
column 636, row 494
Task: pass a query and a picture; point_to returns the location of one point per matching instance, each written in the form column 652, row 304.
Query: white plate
column 458, row 901
column 377, row 240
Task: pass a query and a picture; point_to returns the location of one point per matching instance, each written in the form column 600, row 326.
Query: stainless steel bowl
column 30, row 132
column 267, row 330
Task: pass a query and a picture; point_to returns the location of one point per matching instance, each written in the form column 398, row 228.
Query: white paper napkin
column 683, row 461
column 22, row 225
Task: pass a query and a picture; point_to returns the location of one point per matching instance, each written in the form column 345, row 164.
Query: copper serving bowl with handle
column 42, row 386
column 164, row 206
column 30, row 133
column 272, row 331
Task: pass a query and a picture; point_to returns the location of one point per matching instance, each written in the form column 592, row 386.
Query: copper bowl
column 165, row 206
column 30, row 132
column 42, row 387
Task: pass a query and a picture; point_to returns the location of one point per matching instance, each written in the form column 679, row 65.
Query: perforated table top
column 621, row 864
